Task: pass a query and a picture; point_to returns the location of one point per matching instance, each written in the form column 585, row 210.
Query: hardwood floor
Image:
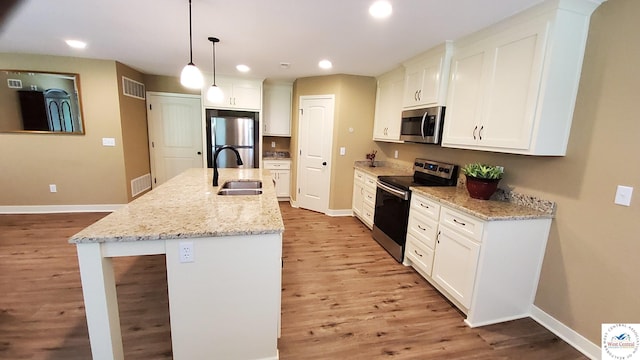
column 343, row 297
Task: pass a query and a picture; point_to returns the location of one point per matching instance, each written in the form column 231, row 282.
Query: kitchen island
column 224, row 300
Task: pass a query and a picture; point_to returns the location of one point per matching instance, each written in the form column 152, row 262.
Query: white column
column 101, row 303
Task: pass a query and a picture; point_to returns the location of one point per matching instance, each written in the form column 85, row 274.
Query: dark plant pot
column 481, row 188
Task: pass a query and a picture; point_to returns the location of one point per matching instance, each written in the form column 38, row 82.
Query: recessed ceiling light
column 76, row 44
column 243, row 68
column 380, row 9
column 325, row 64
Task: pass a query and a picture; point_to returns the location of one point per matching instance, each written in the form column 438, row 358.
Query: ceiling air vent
column 14, row 83
column 133, row 88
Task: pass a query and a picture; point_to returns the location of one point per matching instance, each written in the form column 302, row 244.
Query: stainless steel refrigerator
column 235, row 128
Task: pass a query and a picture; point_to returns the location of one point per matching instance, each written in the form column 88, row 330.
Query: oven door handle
column 404, row 195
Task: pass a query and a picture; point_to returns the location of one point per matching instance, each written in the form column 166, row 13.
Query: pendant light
column 191, row 77
column 214, row 94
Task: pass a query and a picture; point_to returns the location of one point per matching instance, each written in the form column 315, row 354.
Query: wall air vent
column 14, row 83
column 140, row 185
column 133, row 88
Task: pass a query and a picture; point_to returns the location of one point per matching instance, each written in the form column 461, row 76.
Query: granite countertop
column 382, row 169
column 188, row 206
column 458, row 198
column 276, row 155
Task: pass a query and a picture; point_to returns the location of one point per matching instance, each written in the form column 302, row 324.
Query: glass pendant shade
column 215, row 94
column 191, row 77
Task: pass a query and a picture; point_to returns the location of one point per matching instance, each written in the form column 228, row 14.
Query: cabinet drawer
column 370, row 196
column 425, row 206
column 462, row 224
column 420, row 255
column 370, row 181
column 359, row 175
column 423, row 228
column 367, row 214
column 277, row 164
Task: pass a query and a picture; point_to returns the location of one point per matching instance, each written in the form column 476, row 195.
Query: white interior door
column 314, row 151
column 175, row 134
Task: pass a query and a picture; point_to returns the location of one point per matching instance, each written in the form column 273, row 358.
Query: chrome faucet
column 215, row 161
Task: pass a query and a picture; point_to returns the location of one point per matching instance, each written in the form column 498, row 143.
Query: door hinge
column 300, row 152
column 301, row 111
column 153, row 145
column 298, row 190
column 150, row 107
column 154, row 181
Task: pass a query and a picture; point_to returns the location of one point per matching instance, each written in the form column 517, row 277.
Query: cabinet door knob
column 324, row 163
column 199, row 152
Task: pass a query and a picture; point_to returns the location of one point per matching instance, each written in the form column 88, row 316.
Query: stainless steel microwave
column 422, row 125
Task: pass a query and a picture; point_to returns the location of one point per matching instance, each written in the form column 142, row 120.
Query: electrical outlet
column 273, row 144
column 53, row 188
column 623, row 195
column 343, row 150
column 108, row 142
column 395, row 154
column 186, row 252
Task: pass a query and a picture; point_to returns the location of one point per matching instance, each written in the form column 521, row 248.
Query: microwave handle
column 424, row 117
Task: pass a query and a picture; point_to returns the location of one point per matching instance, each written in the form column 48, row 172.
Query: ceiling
column 152, row 36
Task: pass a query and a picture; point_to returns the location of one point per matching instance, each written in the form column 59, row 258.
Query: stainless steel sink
column 240, row 192
column 242, row 184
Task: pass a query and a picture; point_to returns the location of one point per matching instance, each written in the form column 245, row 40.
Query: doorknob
column 199, row 153
column 324, row 163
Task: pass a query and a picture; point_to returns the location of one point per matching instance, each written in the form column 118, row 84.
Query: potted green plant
column 482, row 179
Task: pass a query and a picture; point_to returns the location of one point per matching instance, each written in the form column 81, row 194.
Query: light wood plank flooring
column 343, row 298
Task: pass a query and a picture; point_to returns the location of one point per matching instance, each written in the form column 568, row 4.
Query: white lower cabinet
column 363, row 203
column 281, row 175
column 488, row 269
column 454, row 267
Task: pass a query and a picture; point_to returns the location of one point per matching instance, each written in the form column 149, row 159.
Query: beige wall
column 590, row 272
column 282, row 143
column 84, row 171
column 354, row 106
column 135, row 138
column 169, row 84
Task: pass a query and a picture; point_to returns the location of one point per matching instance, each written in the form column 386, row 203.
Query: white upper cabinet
column 387, row 120
column 277, row 109
column 426, row 78
column 513, row 86
column 242, row 94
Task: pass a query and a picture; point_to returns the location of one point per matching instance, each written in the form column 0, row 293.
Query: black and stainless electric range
column 393, row 198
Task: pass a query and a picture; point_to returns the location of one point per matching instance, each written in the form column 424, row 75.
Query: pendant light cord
column 214, row 63
column 190, row 37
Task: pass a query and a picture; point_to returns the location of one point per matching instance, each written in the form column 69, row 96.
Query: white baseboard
column 582, row 344
column 343, row 212
column 52, row 209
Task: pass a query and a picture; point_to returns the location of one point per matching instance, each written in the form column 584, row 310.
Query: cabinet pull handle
column 415, row 95
column 459, row 222
column 438, row 237
column 474, row 132
column 424, row 206
column 480, row 132
column 421, row 228
column 419, row 94
column 417, row 253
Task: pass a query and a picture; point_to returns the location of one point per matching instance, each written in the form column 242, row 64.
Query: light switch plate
column 343, row 150
column 108, row 142
column 623, row 195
